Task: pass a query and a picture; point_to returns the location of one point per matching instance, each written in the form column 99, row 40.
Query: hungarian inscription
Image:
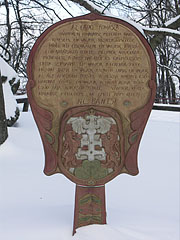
column 92, row 63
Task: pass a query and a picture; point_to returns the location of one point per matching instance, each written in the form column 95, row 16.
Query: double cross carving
column 91, row 127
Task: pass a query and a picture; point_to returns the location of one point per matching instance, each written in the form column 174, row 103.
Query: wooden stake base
column 90, row 206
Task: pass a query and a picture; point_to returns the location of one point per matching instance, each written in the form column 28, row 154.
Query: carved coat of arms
column 90, row 148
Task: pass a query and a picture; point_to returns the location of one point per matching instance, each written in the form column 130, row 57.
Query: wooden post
column 90, row 206
column 3, row 121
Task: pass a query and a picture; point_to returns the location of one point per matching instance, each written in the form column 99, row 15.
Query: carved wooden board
column 91, row 88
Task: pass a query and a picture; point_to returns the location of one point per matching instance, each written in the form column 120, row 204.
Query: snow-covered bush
column 11, row 83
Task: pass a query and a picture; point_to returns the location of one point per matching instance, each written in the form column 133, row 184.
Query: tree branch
column 164, row 66
column 64, row 8
column 45, row 7
column 87, row 6
column 161, row 33
column 6, row 52
column 107, row 6
column 8, row 23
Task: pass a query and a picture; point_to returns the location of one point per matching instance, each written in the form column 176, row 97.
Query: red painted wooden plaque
column 91, row 89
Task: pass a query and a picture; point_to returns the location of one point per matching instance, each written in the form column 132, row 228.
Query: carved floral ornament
column 91, row 104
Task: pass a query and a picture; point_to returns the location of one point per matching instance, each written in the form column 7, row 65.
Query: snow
column 94, row 6
column 136, row 25
column 10, row 102
column 21, row 96
column 145, row 207
column 162, row 30
column 172, row 20
column 7, row 71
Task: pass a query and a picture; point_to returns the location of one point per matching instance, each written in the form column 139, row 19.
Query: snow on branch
column 166, row 31
column 173, row 21
column 159, row 34
column 89, row 6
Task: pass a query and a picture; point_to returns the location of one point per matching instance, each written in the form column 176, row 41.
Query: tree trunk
column 3, row 121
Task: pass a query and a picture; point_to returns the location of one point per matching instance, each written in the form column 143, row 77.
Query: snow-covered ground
column 36, row 207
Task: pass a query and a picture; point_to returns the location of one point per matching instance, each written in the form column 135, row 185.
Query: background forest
column 22, row 21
